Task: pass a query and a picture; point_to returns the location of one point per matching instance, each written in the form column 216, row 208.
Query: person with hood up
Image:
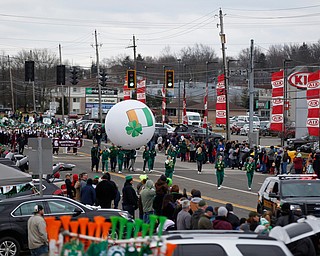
column 198, row 214
column 221, row 222
column 147, row 196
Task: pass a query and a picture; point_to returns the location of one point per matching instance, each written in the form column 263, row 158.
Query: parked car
column 295, row 143
column 223, row 242
column 266, row 131
column 201, row 134
column 15, row 212
column 170, row 129
column 185, row 130
column 236, row 127
column 245, row 129
column 301, row 191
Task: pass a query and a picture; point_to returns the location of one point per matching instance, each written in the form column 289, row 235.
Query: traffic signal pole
column 62, row 87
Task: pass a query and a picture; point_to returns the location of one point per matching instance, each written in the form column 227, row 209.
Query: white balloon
column 130, row 124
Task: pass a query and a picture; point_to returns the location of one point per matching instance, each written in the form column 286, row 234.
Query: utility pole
column 98, row 73
column 134, row 51
column 62, row 87
column 179, row 93
column 11, row 84
column 252, row 139
column 225, row 72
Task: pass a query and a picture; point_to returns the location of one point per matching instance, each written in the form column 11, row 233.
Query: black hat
column 229, row 207
column 37, row 208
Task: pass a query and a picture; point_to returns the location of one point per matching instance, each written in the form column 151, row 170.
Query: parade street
column 234, row 189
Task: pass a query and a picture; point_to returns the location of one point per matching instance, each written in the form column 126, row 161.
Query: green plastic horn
column 130, row 226
column 162, row 220
column 114, row 222
column 138, row 224
column 123, row 222
column 153, row 221
column 145, row 228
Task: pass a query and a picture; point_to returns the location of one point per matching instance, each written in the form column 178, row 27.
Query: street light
column 285, row 99
column 226, row 82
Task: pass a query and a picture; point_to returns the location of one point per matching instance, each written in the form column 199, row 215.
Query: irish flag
column 140, row 115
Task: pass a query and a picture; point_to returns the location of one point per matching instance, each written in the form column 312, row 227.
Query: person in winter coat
column 195, row 199
column 95, row 157
column 76, row 185
column 204, row 221
column 285, row 160
column 162, row 189
column 231, row 217
column 106, row 191
column 145, row 157
column 88, row 194
column 147, row 196
column 287, row 216
column 198, row 214
column 183, row 150
column 70, row 189
column 298, row 164
column 129, row 196
column 184, row 217
column 221, row 222
column 120, row 157
column 199, row 159
column 219, row 171
column 113, row 157
column 105, row 159
column 168, row 206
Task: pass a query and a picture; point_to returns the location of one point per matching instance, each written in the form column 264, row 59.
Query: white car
column 245, row 129
column 170, row 129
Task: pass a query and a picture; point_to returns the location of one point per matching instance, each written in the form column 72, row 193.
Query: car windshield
column 194, row 118
column 302, row 188
column 256, row 119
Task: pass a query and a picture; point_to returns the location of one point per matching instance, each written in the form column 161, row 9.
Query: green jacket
column 249, row 167
column 121, row 154
column 152, row 153
column 113, row 151
column 145, row 155
column 200, row 157
column 183, row 147
column 105, row 155
column 219, row 166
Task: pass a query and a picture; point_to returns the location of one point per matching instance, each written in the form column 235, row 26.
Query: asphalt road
column 234, row 189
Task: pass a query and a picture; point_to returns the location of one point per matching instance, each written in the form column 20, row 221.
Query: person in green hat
column 129, row 196
column 105, row 159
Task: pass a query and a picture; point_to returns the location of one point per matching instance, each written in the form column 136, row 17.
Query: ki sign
column 299, row 79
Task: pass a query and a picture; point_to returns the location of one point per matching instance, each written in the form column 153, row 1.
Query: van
column 256, row 119
column 193, row 118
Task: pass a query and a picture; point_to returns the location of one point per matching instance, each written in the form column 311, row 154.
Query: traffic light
column 29, row 71
column 61, row 75
column 169, row 79
column 74, row 76
column 103, row 78
column 131, row 79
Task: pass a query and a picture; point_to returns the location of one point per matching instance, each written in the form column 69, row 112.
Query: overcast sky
column 155, row 24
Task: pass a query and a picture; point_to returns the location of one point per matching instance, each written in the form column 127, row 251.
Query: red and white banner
column 141, row 91
column 126, row 91
column 184, row 111
column 277, row 82
column 205, row 103
column 163, row 105
column 313, row 99
column 221, row 106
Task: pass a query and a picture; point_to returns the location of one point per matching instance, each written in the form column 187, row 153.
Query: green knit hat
column 129, row 178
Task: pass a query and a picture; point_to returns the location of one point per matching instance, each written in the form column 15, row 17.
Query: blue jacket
column 88, row 195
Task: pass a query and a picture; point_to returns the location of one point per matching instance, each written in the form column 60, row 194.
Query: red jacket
column 221, row 223
column 298, row 163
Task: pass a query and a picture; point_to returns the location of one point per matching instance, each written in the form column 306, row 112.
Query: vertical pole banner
column 163, row 105
column 205, row 116
column 277, row 82
column 184, row 111
column 141, row 90
column 126, row 91
column 313, row 99
column 221, row 106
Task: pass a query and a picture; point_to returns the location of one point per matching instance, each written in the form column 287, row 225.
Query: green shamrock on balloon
column 134, row 128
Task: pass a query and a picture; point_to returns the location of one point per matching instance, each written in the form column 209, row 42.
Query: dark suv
column 15, row 212
column 301, row 191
